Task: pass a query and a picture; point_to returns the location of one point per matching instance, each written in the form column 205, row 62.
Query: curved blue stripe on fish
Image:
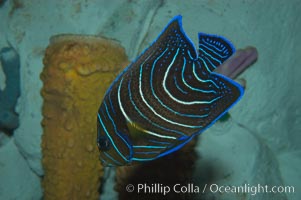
column 150, row 147
column 152, row 123
column 216, row 49
column 159, row 142
column 176, row 84
column 111, row 105
column 205, row 64
column 199, row 78
column 111, row 140
column 164, row 98
column 178, row 87
column 149, row 152
column 190, row 87
column 112, row 159
column 116, row 132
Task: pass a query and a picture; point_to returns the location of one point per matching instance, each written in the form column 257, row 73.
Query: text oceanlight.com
column 158, row 188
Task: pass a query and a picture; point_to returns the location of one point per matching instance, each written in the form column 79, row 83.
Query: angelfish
column 168, row 95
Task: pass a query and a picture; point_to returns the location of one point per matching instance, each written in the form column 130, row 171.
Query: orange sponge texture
column 77, row 72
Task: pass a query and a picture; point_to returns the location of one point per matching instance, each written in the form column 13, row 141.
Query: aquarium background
column 258, row 144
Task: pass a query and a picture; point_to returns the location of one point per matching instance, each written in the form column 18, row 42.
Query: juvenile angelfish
column 168, row 95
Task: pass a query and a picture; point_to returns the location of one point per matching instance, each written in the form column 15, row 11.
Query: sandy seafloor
column 260, row 144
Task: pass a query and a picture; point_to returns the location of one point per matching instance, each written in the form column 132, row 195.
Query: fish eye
column 103, row 143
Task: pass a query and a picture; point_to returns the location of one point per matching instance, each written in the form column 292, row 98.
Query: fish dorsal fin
column 214, row 50
column 173, row 37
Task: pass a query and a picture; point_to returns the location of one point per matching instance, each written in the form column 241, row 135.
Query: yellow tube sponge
column 78, row 70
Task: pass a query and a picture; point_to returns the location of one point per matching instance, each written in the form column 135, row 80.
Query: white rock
column 17, row 180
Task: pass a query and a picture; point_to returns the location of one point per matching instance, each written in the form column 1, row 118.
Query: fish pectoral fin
column 136, row 131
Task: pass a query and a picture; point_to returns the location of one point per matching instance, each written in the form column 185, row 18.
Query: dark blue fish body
column 168, row 95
